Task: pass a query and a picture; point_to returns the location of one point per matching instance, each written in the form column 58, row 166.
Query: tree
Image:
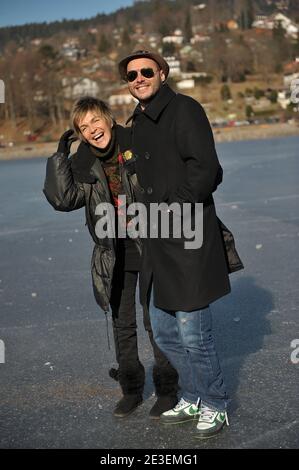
column 188, row 28
column 273, row 96
column 27, row 63
column 258, row 93
column 278, row 31
column 87, row 41
column 280, row 46
column 104, row 44
column 239, row 61
column 225, row 93
column 246, row 17
column 249, row 111
column 51, row 73
column 264, row 57
column 190, row 67
column 296, row 47
column 164, row 29
column 168, row 48
column 48, row 52
column 126, row 39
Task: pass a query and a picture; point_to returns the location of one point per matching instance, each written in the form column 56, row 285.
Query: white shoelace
column 181, row 404
column 208, row 415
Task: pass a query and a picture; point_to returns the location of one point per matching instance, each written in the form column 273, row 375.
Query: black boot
column 163, row 403
column 166, row 385
column 131, row 379
column 127, row 405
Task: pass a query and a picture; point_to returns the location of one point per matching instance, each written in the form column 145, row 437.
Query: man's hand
column 66, row 141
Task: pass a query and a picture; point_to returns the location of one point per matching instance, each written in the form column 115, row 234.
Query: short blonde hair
column 89, row 103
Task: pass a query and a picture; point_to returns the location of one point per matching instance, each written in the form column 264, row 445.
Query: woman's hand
column 65, row 142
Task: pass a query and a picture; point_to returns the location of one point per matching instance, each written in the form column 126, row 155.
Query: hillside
column 239, row 71
column 165, row 14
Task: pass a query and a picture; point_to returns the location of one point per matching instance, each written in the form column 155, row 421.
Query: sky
column 17, row 12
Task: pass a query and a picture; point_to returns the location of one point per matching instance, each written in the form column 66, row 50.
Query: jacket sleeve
column 197, row 149
column 60, row 188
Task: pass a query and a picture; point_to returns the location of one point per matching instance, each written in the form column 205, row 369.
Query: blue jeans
column 186, row 340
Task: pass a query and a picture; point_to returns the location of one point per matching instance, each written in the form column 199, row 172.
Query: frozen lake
column 55, row 388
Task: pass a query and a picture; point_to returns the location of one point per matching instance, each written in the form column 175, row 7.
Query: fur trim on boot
column 114, row 373
column 131, row 379
column 166, row 384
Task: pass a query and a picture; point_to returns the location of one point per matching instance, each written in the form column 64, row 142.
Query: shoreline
column 225, row 134
column 255, row 132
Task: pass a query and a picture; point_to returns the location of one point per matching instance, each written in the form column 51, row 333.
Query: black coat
column 176, row 161
column 80, row 181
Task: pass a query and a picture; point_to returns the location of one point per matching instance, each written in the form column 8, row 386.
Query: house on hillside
column 198, row 38
column 185, row 84
column 232, row 25
column 189, row 75
column 292, row 67
column 36, row 42
column 270, row 22
column 174, row 66
column 153, row 39
column 74, row 87
column 121, row 97
column 71, row 50
column 176, row 38
column 284, row 98
column 92, row 31
column 288, row 78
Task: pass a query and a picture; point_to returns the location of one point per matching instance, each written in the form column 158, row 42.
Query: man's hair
column 89, row 103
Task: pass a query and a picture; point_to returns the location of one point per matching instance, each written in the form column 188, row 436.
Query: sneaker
column 181, row 413
column 210, row 422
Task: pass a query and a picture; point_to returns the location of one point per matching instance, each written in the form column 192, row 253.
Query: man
column 176, row 162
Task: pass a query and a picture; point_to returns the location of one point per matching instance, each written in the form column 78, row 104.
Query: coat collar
column 157, row 105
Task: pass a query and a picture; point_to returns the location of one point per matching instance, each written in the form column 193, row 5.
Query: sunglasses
column 145, row 72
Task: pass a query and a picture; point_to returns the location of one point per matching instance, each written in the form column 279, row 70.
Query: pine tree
column 104, row 44
column 188, row 28
column 225, row 93
column 126, row 39
column 278, row 31
column 246, row 17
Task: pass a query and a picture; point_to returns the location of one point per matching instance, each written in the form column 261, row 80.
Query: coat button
column 149, row 190
column 147, row 156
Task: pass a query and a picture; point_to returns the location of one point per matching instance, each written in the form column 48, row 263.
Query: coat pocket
column 101, row 272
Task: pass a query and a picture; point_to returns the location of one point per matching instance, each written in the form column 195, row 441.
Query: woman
column 98, row 173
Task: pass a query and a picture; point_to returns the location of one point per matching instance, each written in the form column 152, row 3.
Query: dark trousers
column 131, row 372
